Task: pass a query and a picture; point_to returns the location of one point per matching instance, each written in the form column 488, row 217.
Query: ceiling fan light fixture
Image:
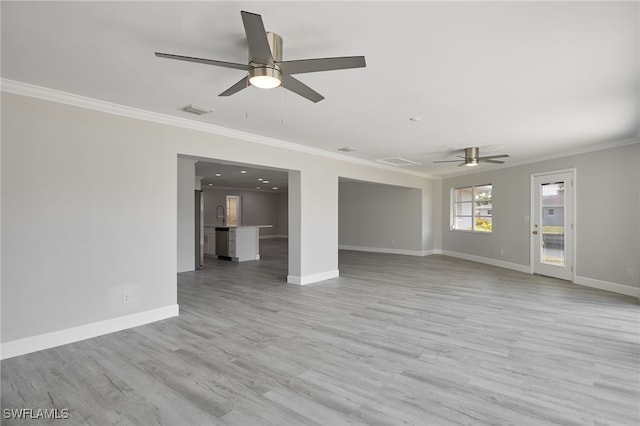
column 473, row 152
column 265, row 77
column 266, row 69
column 472, row 158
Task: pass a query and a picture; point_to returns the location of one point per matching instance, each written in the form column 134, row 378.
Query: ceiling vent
column 195, row 109
column 346, row 149
column 397, row 161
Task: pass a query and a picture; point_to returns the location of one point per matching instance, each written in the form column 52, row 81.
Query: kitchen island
column 238, row 243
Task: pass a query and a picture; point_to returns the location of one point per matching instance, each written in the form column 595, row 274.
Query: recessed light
column 218, row 174
column 260, row 179
column 265, row 181
column 275, row 187
column 257, row 187
column 243, row 171
column 210, row 184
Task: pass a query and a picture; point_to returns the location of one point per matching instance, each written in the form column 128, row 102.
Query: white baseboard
column 386, row 250
column 313, row 278
column 609, row 286
column 57, row 338
column 488, row 261
column 587, row 282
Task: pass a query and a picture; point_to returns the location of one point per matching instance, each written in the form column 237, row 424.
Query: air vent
column 195, row 109
column 346, row 149
column 397, row 161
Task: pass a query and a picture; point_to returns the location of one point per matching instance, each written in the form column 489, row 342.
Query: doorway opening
column 234, row 210
column 250, row 202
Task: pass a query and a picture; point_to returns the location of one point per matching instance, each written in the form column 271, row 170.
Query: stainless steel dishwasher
column 222, row 243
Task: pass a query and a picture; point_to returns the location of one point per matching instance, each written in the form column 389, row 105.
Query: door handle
column 535, row 232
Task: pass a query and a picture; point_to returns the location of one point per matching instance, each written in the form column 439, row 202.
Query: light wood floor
column 395, row 340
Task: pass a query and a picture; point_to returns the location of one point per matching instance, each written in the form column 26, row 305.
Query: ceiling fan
column 472, row 158
column 266, row 69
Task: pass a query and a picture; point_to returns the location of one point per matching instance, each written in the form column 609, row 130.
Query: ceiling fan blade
column 298, row 87
column 236, row 87
column 204, row 61
column 259, row 49
column 485, row 160
column 491, row 157
column 322, row 64
column 447, row 161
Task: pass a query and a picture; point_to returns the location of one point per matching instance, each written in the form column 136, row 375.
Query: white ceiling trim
column 53, row 95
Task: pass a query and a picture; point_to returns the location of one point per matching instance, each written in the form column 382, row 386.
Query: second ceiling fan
column 472, row 158
column 266, row 69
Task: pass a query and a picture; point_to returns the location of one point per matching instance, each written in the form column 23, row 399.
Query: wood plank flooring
column 396, row 340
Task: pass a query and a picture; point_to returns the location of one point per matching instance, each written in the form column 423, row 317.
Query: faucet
column 218, row 215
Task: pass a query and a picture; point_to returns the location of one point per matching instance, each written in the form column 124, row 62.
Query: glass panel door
column 552, row 225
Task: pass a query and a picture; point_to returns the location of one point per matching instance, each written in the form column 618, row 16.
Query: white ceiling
column 531, row 79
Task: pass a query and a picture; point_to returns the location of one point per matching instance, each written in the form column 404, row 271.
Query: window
column 472, row 209
column 551, row 212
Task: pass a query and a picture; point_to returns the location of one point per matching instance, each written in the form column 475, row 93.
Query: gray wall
column 282, row 227
column 607, row 228
column 374, row 216
column 90, row 209
column 258, row 208
column 186, row 210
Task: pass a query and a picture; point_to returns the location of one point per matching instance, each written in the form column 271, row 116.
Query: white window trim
column 473, row 216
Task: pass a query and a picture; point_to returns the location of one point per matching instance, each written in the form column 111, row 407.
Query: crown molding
column 53, row 95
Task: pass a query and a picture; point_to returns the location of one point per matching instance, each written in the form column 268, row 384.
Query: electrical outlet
column 126, row 297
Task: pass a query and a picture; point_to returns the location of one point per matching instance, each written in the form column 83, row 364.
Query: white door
column 552, row 224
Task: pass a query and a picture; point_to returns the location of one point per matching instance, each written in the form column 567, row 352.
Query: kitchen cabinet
column 209, row 240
